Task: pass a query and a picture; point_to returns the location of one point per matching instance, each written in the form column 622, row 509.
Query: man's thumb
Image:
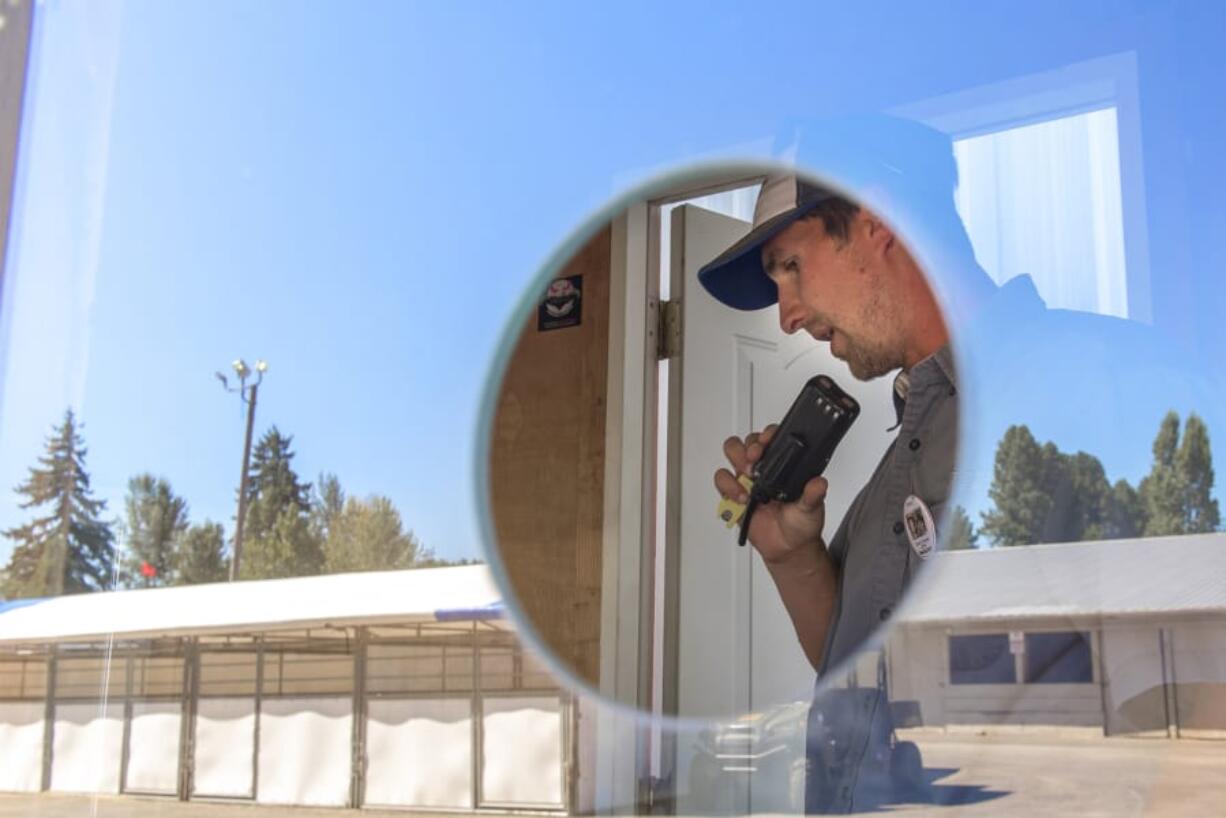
column 814, row 495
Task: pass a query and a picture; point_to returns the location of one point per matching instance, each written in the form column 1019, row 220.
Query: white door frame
column 631, row 451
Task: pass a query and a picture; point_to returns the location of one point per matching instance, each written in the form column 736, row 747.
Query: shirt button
column 884, row 614
column 914, row 444
column 898, row 527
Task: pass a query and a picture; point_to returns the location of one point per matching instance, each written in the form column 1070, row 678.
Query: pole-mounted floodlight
column 248, row 393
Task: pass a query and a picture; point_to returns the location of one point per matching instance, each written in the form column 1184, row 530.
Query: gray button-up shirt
column 876, row 563
column 875, row 559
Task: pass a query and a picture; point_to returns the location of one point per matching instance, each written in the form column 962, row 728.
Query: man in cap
column 838, row 272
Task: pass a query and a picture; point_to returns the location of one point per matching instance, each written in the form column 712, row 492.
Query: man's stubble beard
column 870, row 358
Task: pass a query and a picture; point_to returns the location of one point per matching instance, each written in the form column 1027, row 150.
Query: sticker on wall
column 563, row 304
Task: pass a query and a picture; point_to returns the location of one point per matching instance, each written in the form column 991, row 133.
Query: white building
column 401, row 688
column 1126, row 637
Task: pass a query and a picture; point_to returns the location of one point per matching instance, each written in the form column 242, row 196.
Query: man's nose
column 791, row 311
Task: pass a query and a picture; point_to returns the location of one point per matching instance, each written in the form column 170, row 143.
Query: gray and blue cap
column 736, row 276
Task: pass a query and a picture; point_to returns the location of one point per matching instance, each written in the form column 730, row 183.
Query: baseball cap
column 912, row 161
column 736, row 276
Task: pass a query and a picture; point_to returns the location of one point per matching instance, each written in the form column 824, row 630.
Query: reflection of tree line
column 292, row 528
column 1041, row 494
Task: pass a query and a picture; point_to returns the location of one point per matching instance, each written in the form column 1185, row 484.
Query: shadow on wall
column 1199, row 708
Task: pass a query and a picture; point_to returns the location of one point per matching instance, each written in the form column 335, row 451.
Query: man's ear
column 876, row 236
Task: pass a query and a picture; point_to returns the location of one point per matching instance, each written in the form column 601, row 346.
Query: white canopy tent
column 420, row 595
column 396, row 688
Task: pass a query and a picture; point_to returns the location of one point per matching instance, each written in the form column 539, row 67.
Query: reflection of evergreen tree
column 1020, row 491
column 1177, row 493
column 1125, row 513
column 202, row 555
column 327, row 502
column 68, row 549
column 962, row 533
column 156, row 518
column 278, row 540
column 367, row 535
column 1041, row 494
column 1160, row 490
column 1080, row 496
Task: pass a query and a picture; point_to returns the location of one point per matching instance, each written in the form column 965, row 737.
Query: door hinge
column 668, row 334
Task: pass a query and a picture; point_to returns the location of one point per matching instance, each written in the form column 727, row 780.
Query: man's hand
column 789, row 538
column 777, row 530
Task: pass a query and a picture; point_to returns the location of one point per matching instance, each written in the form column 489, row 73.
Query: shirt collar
column 937, row 364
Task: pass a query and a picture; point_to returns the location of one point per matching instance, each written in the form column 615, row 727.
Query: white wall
column 21, row 737
column 523, row 750
column 305, row 751
column 225, row 747
column 1132, row 661
column 153, row 748
column 919, row 670
column 419, row 753
column 1055, row 705
column 1199, row 658
column 87, row 746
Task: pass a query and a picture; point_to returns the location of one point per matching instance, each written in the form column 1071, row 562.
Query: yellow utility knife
column 730, row 511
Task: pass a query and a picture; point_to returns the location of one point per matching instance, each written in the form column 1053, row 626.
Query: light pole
column 247, row 392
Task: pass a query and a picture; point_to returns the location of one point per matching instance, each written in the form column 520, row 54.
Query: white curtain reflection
column 1044, row 200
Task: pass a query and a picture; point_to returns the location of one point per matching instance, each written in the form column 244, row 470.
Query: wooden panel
column 547, row 468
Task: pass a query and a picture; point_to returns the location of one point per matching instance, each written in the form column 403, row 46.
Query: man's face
column 836, row 291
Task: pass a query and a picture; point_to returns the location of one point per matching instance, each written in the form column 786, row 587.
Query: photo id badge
column 921, row 530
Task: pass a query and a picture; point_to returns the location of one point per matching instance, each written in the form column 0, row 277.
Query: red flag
column 148, row 571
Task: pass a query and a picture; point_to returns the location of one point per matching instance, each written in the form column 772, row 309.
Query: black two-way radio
column 802, row 446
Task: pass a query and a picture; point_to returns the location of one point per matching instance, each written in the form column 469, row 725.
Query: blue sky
column 359, row 193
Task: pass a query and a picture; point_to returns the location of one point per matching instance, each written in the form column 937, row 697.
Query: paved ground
column 1028, row 775
column 69, row 806
column 1004, row 776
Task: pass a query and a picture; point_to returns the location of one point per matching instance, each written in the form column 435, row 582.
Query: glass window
column 981, row 659
column 1059, row 658
column 1044, row 200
